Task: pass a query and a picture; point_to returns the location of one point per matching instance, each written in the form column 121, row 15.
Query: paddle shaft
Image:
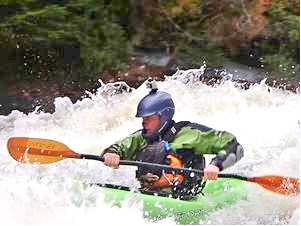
column 43, row 151
column 276, row 184
column 164, row 167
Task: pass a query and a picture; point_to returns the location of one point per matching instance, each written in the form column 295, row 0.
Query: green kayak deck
column 216, row 194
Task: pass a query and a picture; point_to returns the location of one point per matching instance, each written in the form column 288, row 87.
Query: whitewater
column 265, row 120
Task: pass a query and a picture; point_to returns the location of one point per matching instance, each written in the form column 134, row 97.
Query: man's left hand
column 211, row 172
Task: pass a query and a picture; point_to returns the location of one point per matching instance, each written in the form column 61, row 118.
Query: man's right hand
column 111, row 160
column 148, row 179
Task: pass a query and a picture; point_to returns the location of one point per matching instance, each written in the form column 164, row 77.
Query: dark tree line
column 73, row 42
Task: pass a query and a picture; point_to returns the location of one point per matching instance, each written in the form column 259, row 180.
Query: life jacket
column 182, row 158
column 189, row 158
column 170, row 179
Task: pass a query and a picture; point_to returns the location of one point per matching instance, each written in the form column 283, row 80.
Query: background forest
column 69, row 44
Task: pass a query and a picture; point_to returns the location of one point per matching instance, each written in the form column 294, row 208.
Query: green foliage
column 103, row 40
column 94, row 26
column 91, row 23
column 187, row 29
column 284, row 25
column 189, row 32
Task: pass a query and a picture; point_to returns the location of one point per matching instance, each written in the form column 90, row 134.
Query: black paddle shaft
column 185, row 171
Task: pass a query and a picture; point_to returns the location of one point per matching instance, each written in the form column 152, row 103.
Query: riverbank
column 41, row 93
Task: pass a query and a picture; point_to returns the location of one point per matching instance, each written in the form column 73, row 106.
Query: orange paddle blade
column 37, row 150
column 278, row 184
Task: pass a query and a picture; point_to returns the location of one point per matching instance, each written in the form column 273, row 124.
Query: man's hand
column 211, row 172
column 111, row 160
column 148, row 179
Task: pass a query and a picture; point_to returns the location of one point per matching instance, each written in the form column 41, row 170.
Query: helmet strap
column 162, row 127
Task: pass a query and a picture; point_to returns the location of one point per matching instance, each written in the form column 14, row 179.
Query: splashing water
column 265, row 120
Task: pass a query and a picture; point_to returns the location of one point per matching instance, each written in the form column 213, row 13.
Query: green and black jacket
column 191, row 137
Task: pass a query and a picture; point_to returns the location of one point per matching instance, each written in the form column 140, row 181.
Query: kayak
column 216, row 194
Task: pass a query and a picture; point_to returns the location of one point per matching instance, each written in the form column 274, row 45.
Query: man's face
column 151, row 123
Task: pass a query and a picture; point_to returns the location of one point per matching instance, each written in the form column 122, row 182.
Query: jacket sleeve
column 222, row 143
column 232, row 153
column 128, row 146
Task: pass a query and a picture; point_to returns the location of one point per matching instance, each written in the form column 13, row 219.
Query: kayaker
column 181, row 144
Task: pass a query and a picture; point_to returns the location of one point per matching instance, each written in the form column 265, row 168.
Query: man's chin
column 148, row 132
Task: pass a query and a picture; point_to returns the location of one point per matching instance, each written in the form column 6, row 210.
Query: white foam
column 265, row 120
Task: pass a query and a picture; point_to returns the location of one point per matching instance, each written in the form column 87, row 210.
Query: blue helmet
column 160, row 103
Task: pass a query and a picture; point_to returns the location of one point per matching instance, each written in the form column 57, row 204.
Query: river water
column 265, row 120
